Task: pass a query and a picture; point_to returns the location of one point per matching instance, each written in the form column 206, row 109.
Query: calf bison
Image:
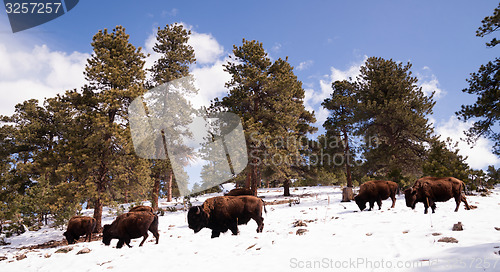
column 130, row 226
column 239, row 191
column 223, row 213
column 79, row 226
column 141, row 209
column 429, row 190
column 376, row 191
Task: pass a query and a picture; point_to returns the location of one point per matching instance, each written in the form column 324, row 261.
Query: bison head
column 106, row 235
column 197, row 218
column 69, row 237
column 411, row 197
column 361, row 203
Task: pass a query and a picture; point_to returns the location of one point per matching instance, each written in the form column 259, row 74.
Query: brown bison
column 129, row 226
column 79, row 226
column 239, row 191
column 141, row 209
column 223, row 213
column 429, row 190
column 376, row 191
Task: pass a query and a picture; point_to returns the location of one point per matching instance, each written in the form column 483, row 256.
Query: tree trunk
column 286, row 187
column 347, row 193
column 169, row 185
column 249, row 177
column 155, row 194
column 255, row 179
column 98, row 213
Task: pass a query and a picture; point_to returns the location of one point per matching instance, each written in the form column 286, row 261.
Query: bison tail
column 264, row 203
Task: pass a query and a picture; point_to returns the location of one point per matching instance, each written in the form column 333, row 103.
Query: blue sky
column 324, row 41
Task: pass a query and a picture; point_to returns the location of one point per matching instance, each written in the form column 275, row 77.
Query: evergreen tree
column 485, row 83
column 392, row 110
column 443, row 160
column 116, row 76
column 269, row 99
column 340, row 124
column 175, row 58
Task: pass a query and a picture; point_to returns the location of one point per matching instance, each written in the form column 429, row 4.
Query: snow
column 339, row 237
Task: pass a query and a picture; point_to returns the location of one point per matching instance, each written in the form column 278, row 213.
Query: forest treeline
column 74, row 151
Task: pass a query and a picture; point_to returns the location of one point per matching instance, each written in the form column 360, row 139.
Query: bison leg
column 127, row 242
column 233, row 226
column 379, row 203
column 426, row 206
column 464, row 200
column 260, row 223
column 215, row 234
column 144, row 239
column 372, row 203
column 393, row 198
column 120, row 243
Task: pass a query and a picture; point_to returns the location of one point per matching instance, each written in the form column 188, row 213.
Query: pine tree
column 443, row 160
column 176, row 56
column 116, row 76
column 340, row 124
column 485, row 83
column 393, row 110
column 269, row 99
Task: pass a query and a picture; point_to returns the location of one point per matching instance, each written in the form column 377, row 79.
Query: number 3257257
column 33, row 8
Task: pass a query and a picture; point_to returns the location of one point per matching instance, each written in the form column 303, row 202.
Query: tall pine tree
column 269, row 99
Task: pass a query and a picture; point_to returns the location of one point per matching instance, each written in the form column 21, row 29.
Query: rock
column 301, row 231
column 64, row 250
column 497, row 228
column 47, row 255
column 20, row 257
column 458, row 227
column 405, row 231
column 3, row 258
column 448, row 240
column 83, row 251
column 299, row 223
column 436, row 234
column 369, row 234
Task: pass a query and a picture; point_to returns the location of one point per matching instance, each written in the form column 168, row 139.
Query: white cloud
column 276, row 47
column 304, row 65
column 206, row 48
column 210, row 81
column 480, row 155
column 429, row 83
column 36, row 73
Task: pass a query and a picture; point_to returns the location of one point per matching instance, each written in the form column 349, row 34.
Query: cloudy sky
column 324, row 40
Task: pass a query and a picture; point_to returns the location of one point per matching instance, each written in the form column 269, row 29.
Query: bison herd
column 223, row 213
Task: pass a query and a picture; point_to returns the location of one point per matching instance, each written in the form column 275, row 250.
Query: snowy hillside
column 336, row 236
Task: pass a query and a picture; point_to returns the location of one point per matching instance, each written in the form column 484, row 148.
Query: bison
column 130, row 226
column 376, row 191
column 429, row 190
column 79, row 226
column 141, row 209
column 239, row 191
column 223, row 213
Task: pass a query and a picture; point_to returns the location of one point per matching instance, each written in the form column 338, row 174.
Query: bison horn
column 198, row 210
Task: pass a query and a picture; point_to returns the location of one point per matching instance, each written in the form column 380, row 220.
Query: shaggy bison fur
column 376, row 191
column 79, row 226
column 430, row 190
column 129, row 226
column 224, row 213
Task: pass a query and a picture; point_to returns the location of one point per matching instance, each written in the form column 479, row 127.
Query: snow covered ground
column 338, row 238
